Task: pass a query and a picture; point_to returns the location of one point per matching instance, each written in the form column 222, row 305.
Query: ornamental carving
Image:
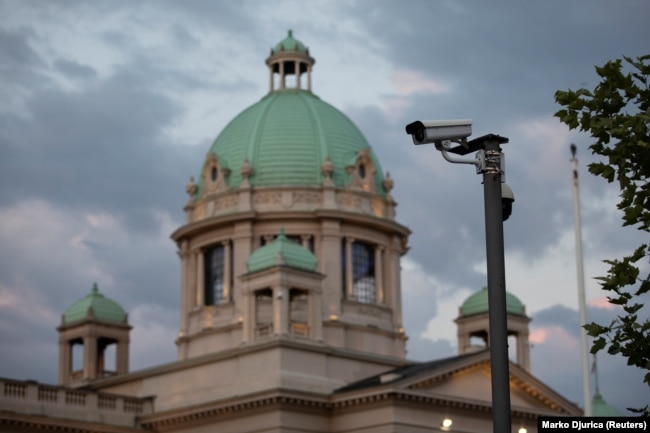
column 199, row 211
column 349, row 200
column 306, row 197
column 362, row 172
column 266, row 198
column 214, row 175
column 226, row 202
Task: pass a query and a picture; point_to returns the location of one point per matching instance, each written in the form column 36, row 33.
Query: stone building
column 290, row 302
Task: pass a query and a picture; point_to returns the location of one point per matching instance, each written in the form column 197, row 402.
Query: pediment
column 466, row 380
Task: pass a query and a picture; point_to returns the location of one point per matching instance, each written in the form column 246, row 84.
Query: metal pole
column 586, row 386
column 496, row 276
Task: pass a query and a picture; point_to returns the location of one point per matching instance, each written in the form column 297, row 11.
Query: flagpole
column 586, row 391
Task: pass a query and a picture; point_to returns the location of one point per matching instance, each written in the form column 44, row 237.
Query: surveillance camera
column 437, row 131
column 507, row 198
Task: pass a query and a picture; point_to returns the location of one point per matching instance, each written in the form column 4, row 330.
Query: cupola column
column 297, row 69
column 122, row 356
column 523, row 351
column 309, row 76
column 90, row 357
column 280, row 310
column 65, row 361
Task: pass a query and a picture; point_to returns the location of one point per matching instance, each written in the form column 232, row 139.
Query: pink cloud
column 538, row 336
column 602, row 303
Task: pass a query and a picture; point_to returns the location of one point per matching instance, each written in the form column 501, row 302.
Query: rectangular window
column 363, row 276
column 214, row 263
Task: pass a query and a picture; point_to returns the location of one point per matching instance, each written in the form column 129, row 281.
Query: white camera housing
column 437, row 131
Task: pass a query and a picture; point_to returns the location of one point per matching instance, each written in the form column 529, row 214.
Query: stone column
column 90, row 358
column 349, row 272
column 65, row 362
column 463, row 339
column 280, row 310
column 297, row 69
column 395, row 281
column 282, row 82
column 200, row 277
column 305, row 240
column 122, row 356
column 379, row 273
column 242, row 243
column 523, row 352
column 249, row 320
column 315, row 320
column 271, row 78
column 186, row 289
column 329, row 253
column 309, row 76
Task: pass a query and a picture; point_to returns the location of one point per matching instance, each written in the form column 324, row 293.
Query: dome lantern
column 289, row 57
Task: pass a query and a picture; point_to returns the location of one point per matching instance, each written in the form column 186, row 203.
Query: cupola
column 473, row 325
column 289, row 57
column 94, row 322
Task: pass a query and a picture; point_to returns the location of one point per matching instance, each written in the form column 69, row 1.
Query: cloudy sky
column 107, row 109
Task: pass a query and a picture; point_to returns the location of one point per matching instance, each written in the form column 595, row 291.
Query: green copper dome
column 600, row 408
column 286, row 138
column 290, row 44
column 478, row 304
column 103, row 309
column 291, row 254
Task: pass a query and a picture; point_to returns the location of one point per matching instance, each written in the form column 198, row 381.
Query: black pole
column 496, row 276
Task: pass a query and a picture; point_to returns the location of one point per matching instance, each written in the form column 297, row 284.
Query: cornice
column 225, row 408
column 329, row 404
column 30, row 422
column 207, row 223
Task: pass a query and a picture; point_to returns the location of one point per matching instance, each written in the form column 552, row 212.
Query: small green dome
column 103, row 309
column 478, row 304
column 290, row 44
column 287, row 137
column 600, row 408
column 291, row 254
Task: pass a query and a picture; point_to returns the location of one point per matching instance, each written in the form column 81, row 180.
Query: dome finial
column 290, row 33
column 95, row 289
